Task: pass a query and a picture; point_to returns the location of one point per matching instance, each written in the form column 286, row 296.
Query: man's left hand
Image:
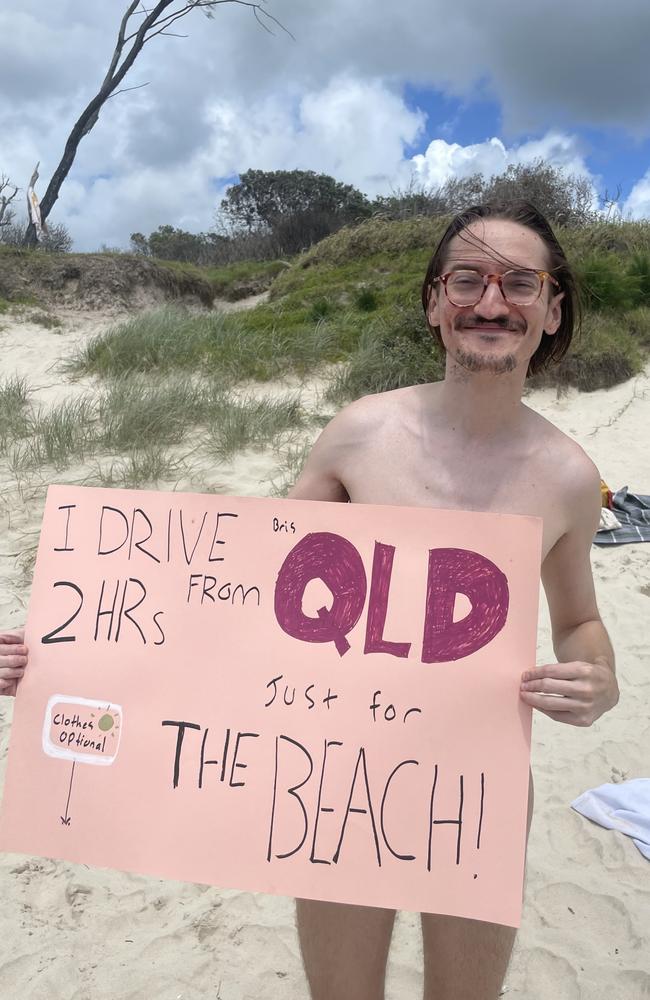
column 577, row 693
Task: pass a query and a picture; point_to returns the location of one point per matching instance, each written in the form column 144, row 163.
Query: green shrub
column 320, row 309
column 366, row 299
column 605, row 354
column 638, row 270
column 638, row 324
column 392, row 353
column 606, row 284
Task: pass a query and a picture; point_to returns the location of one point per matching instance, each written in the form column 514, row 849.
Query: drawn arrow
column 66, row 819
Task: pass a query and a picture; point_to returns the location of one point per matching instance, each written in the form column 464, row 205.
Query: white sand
column 71, row 933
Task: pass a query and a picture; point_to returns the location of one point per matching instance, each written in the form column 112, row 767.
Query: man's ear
column 433, row 310
column 554, row 314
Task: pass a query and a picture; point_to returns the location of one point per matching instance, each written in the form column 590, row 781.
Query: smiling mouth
column 488, row 329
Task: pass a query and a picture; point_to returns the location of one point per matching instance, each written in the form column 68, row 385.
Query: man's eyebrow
column 459, row 264
column 467, row 265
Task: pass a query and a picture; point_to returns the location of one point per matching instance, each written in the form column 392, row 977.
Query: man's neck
column 481, row 405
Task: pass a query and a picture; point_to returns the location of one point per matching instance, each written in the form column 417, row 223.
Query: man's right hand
column 13, row 660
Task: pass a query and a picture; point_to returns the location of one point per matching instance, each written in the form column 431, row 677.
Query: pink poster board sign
column 305, row 698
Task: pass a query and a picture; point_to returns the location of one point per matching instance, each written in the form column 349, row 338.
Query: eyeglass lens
column 519, row 287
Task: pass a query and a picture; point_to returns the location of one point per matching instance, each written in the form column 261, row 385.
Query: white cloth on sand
column 608, row 520
column 624, row 807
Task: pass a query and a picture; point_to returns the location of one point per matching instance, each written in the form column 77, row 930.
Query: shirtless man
column 499, row 298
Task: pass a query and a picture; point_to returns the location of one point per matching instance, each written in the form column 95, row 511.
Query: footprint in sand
column 549, row 975
column 584, row 915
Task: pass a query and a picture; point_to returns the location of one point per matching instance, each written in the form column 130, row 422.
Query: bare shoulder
column 345, row 438
column 569, row 469
column 372, row 411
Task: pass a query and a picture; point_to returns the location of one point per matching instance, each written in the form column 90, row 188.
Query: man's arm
column 321, row 477
column 584, row 676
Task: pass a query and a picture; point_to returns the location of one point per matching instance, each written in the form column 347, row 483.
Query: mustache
column 501, row 322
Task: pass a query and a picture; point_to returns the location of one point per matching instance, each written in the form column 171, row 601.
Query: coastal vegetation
column 352, row 301
column 180, row 373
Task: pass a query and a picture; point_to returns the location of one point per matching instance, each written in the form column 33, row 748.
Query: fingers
column 551, row 703
column 8, row 684
column 557, row 671
column 549, row 686
column 561, row 709
column 570, row 718
column 11, row 674
column 12, row 637
column 12, row 660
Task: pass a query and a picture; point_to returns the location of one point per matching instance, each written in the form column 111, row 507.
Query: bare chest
column 399, row 471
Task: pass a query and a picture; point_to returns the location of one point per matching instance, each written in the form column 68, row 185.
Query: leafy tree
column 140, row 244
column 565, row 199
column 176, row 244
column 418, row 200
column 296, row 207
column 263, row 197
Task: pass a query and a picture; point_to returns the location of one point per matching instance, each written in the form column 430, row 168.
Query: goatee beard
column 473, row 362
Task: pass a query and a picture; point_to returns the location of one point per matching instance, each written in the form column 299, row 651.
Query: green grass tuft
column 140, row 468
column 14, row 419
column 289, row 468
column 56, row 436
column 136, row 412
column 236, row 424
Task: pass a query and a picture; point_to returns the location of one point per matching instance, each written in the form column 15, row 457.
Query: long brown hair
column 551, row 348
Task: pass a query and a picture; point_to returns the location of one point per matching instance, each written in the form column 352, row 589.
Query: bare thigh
column 344, row 949
column 467, row 959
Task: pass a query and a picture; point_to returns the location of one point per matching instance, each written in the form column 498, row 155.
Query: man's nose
column 492, row 304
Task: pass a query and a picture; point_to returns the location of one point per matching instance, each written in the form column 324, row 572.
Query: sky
column 378, row 94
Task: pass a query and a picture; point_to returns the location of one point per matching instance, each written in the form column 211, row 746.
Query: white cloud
column 357, row 131
column 230, row 97
column 637, row 205
column 444, row 160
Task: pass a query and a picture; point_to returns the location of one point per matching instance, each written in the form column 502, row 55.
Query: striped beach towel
column 632, row 510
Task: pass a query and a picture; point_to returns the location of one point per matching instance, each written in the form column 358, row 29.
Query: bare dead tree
column 154, row 21
column 6, row 198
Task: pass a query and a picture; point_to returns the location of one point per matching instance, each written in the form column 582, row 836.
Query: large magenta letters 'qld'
column 460, row 571
column 332, row 559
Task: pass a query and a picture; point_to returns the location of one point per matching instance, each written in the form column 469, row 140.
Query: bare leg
column 344, row 949
column 466, row 959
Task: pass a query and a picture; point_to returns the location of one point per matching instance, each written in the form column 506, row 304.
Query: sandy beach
column 73, row 933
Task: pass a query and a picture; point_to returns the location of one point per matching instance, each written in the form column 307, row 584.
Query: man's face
column 493, row 335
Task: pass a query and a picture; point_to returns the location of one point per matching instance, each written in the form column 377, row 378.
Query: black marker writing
column 65, row 547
